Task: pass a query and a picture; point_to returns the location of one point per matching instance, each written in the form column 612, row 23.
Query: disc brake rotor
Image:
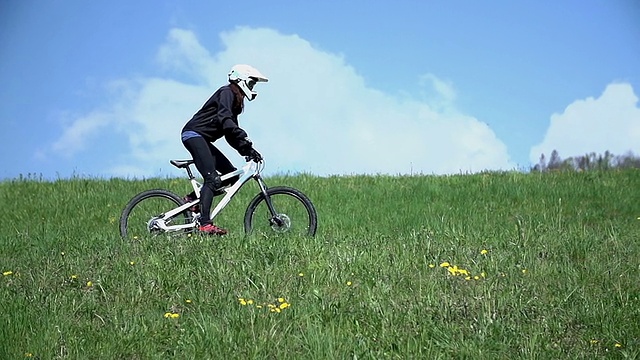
column 153, row 226
column 281, row 224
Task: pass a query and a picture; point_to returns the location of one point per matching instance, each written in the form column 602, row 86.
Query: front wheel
column 294, row 214
column 139, row 217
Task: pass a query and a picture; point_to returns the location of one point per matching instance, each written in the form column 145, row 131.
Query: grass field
column 483, row 266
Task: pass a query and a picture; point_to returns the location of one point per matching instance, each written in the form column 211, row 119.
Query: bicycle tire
column 140, row 210
column 284, row 199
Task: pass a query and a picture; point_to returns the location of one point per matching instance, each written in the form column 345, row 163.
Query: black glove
column 254, row 155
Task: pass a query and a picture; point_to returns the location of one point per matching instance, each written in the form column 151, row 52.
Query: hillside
column 482, row 266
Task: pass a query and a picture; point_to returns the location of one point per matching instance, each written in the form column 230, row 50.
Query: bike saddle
column 180, row 164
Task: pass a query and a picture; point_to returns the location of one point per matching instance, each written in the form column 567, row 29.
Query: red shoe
column 211, row 229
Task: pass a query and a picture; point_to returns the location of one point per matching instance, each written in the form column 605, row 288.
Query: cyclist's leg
column 206, row 164
column 223, row 165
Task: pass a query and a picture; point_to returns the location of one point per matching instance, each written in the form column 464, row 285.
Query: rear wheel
column 294, row 214
column 138, row 219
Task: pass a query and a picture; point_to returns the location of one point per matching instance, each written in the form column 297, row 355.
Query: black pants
column 210, row 162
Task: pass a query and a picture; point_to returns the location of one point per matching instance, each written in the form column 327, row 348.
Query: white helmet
column 246, row 77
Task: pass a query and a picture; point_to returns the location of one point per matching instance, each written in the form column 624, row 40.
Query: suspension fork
column 275, row 219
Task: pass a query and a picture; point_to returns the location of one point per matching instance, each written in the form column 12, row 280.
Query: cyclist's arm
column 236, row 137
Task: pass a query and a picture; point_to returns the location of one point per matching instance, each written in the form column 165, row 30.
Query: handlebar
column 248, row 159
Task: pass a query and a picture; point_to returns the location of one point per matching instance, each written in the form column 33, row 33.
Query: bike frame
column 250, row 171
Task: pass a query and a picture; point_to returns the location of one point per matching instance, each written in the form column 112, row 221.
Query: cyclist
column 218, row 117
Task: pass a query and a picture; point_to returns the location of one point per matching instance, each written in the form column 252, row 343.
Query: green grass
column 560, row 277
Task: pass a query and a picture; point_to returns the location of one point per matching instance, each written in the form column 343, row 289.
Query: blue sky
column 102, row 89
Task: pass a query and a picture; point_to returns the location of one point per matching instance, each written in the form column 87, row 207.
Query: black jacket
column 219, row 118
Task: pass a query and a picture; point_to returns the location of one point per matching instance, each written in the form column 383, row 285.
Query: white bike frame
column 250, row 170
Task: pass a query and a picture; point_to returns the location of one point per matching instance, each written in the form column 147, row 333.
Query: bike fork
column 275, row 219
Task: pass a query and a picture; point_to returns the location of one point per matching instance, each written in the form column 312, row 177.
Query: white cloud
column 316, row 114
column 608, row 123
column 78, row 133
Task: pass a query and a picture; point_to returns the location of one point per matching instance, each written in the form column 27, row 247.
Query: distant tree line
column 587, row 162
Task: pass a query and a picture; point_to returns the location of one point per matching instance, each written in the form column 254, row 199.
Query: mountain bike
column 273, row 211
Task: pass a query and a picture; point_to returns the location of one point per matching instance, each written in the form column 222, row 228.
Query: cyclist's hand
column 254, row 156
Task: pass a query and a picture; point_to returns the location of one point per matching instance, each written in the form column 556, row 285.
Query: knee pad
column 212, row 181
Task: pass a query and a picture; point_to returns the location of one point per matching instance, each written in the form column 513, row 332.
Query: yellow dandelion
column 135, row 238
column 89, row 284
column 243, row 302
column 74, row 276
column 258, row 306
column 271, row 306
column 7, row 273
column 432, row 266
column 476, row 277
column 281, row 300
column 277, row 310
column 132, row 262
column 28, row 354
column 484, row 251
column 188, row 301
column 445, row 264
column 468, row 278
column 618, row 345
column 284, row 305
column 524, row 271
column 483, row 274
column 175, row 316
column 301, row 274
column 249, row 302
column 349, row 283
column 593, row 341
column 167, row 315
